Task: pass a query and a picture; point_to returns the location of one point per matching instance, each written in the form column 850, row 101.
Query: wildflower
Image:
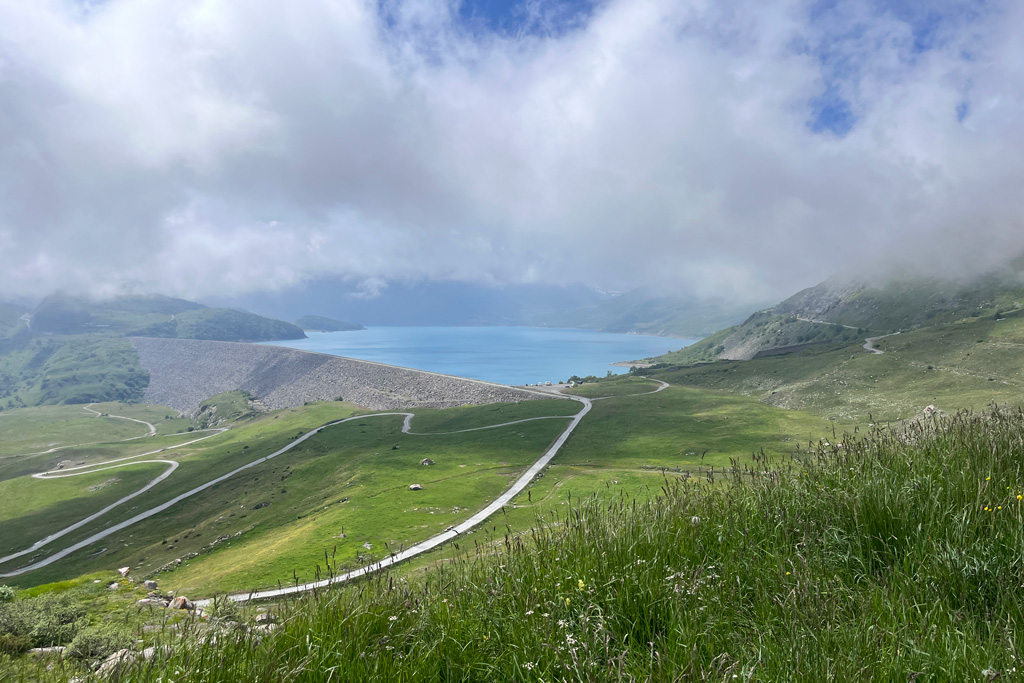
column 1020, row 497
column 529, row 666
column 580, row 584
column 392, row 618
column 999, row 507
column 546, row 614
column 567, row 602
column 787, row 573
column 986, row 508
column 987, row 478
column 529, row 612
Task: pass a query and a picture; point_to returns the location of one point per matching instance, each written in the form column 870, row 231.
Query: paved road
column 89, row 469
column 152, row 428
column 417, row 549
column 452, row 533
column 96, row 467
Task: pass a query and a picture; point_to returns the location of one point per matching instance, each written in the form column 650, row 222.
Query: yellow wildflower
column 567, row 602
column 580, row 584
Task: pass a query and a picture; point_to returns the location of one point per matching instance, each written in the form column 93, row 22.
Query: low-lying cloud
column 197, row 147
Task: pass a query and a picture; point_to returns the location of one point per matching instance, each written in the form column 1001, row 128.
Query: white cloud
column 198, row 147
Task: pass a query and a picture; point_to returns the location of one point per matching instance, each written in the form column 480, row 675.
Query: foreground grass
column 894, row 557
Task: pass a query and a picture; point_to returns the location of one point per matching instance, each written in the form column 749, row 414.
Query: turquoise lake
column 507, row 355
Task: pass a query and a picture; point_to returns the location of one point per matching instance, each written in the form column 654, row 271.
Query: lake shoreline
column 509, row 355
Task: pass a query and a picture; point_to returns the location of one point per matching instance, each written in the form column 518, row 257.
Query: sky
column 712, row 147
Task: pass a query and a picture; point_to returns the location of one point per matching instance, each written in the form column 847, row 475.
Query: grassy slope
column 967, row 364
column 352, row 461
column 626, row 440
column 893, row 558
column 9, row 318
column 69, row 369
column 910, row 302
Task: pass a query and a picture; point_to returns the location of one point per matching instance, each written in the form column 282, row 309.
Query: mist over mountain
column 417, row 303
column 729, row 150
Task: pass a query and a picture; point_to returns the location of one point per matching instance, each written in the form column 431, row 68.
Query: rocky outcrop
column 184, row 372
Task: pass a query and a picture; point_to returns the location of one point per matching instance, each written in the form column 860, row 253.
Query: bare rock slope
column 184, row 372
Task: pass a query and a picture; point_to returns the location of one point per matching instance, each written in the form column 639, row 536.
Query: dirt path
column 869, row 343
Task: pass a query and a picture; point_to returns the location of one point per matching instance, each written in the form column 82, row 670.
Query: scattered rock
column 124, row 571
column 114, row 666
column 265, row 618
column 114, row 586
column 931, row 411
column 260, row 506
column 152, row 602
column 181, row 602
column 415, row 487
column 367, row 545
column 265, row 628
column 184, row 372
column 151, row 585
column 395, row 447
column 163, row 652
column 41, row 652
column 426, row 461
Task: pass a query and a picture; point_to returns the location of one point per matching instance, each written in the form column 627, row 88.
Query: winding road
column 869, row 343
column 417, row 549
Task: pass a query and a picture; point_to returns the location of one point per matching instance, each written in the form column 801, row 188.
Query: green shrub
column 97, row 642
column 6, row 594
column 11, row 644
column 46, row 620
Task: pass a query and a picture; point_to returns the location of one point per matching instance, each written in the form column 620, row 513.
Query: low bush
column 11, row 644
column 97, row 642
column 50, row 619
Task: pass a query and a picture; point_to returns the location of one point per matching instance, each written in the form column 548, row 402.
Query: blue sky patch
column 525, row 17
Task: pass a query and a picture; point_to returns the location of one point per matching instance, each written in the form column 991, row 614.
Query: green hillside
column 893, row 556
column 53, row 369
column 954, row 365
column 10, row 318
column 221, row 324
column 320, row 323
column 72, row 349
column 156, row 316
column 907, row 302
column 840, row 311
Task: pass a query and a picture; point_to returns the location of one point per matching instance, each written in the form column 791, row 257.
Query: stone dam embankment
column 185, row 372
